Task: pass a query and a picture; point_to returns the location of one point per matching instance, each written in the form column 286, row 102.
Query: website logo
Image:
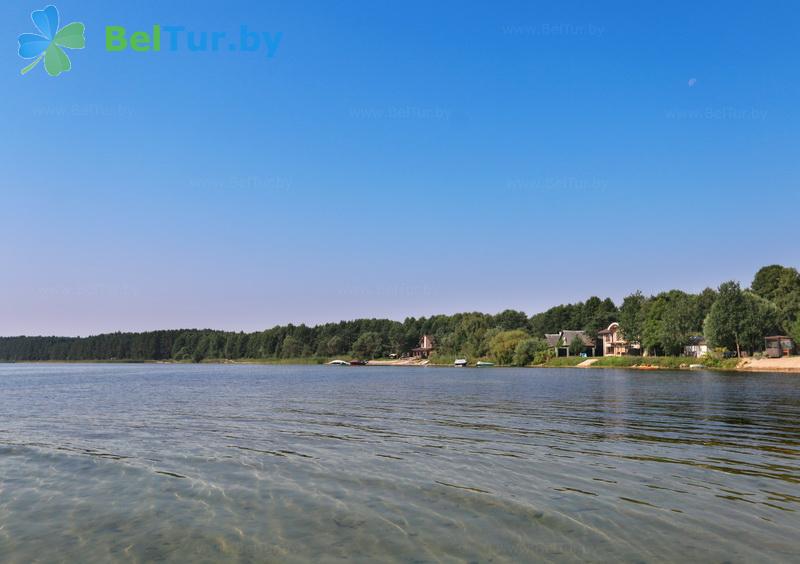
column 178, row 38
column 51, row 43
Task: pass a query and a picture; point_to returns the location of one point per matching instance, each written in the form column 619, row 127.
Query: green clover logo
column 48, row 45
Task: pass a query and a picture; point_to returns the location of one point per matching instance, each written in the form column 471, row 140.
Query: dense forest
column 730, row 317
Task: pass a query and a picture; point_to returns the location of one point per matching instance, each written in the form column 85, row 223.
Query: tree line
column 731, row 318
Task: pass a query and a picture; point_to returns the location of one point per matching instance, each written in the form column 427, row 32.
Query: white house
column 697, row 347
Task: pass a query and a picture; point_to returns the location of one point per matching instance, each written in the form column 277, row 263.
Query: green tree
column 740, row 320
column 772, row 281
column 669, row 319
column 526, row 351
column 470, row 335
column 576, row 346
column 291, row 347
column 555, row 319
column 763, row 319
column 597, row 314
column 334, row 345
column 652, row 327
column 678, row 322
column 703, row 303
column 632, row 316
column 794, row 332
column 503, row 345
column 368, row 345
column 781, row 286
column 723, row 326
column 511, row 319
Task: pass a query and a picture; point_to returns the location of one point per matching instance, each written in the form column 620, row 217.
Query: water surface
column 144, row 463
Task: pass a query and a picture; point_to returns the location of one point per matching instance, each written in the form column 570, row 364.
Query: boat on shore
column 338, row 363
column 460, row 362
column 484, row 364
column 358, row 363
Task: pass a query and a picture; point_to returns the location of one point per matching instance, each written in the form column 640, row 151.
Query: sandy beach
column 785, row 364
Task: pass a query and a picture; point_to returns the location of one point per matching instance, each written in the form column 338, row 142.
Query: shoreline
column 786, row 365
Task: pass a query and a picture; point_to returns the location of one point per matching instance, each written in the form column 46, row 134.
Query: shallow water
column 150, row 463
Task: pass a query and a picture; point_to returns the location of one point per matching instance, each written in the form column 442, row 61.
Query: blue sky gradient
column 394, row 159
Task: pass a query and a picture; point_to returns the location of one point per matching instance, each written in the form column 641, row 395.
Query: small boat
column 484, row 364
column 461, row 362
column 338, row 363
column 358, row 363
column 697, row 367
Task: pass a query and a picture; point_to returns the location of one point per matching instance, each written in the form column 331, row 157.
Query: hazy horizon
column 617, row 301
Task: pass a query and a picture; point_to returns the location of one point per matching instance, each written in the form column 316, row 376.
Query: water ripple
column 295, row 464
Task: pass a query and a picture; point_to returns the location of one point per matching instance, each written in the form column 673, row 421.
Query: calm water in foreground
column 118, row 463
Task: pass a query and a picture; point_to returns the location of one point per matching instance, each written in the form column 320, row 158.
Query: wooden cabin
column 425, row 348
column 779, row 346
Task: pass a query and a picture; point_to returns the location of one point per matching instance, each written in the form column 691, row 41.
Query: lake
column 222, row 463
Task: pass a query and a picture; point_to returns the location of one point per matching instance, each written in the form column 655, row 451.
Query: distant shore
column 785, row 365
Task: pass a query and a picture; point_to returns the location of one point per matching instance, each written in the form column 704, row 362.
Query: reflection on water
column 251, row 463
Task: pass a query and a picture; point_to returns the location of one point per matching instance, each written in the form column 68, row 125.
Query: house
column 697, row 347
column 560, row 342
column 779, row 345
column 614, row 343
column 425, row 348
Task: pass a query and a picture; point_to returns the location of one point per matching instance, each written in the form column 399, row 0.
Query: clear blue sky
column 394, row 159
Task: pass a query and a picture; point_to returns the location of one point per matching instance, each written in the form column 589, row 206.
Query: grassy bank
column 563, row 362
column 278, row 361
column 444, row 359
column 668, row 362
column 672, row 362
column 665, row 362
